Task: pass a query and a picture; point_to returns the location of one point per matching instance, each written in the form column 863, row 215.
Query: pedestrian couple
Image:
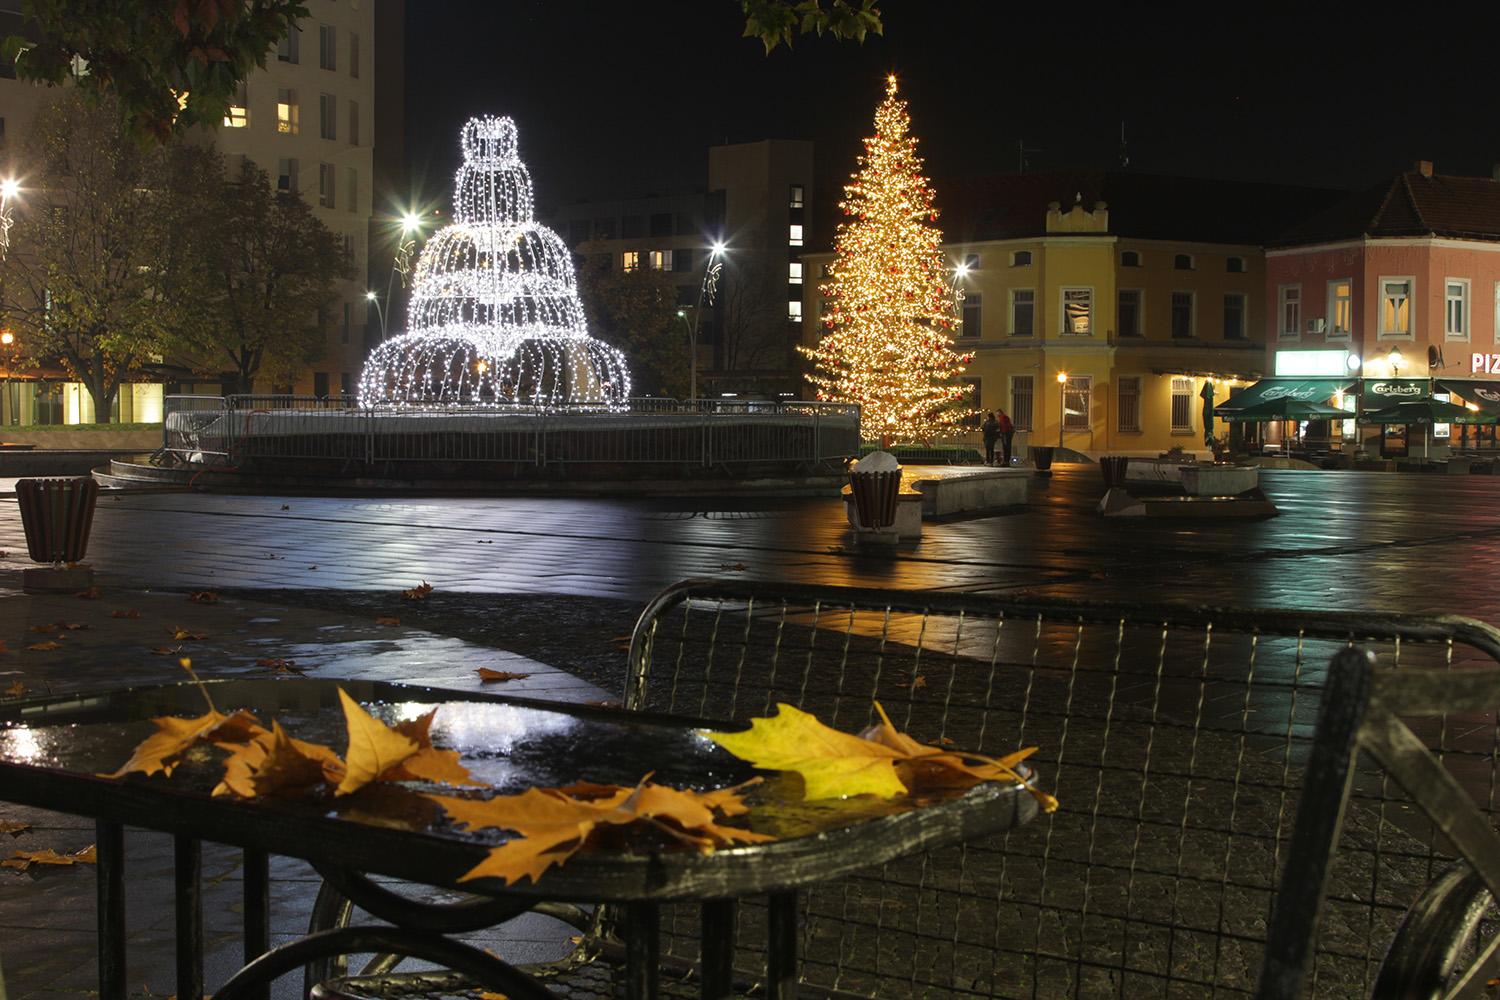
column 997, row 429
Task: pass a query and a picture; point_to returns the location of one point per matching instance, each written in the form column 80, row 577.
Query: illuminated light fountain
column 494, row 318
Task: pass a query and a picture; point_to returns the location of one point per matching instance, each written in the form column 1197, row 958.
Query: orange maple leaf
column 275, row 764
column 203, row 597
column 125, row 613
column 417, row 593
column 43, row 647
column 489, row 676
column 183, row 635
column 374, row 747
column 22, row 860
column 163, row 750
column 16, row 690
column 387, row 620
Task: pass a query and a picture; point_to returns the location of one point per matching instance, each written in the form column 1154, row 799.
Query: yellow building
column 1138, row 290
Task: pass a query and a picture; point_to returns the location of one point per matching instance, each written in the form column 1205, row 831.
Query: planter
column 875, row 497
column 57, row 515
column 1113, row 469
column 1041, row 457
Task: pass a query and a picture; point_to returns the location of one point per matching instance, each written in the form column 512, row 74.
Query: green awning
column 1306, row 390
column 1382, row 392
column 1484, row 394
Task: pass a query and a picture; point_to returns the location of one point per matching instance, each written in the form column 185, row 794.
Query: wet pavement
column 304, row 579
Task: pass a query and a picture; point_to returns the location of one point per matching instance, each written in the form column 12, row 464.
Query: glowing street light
column 374, row 300
column 1062, row 404
column 711, row 268
column 10, row 188
column 411, row 222
column 1396, row 359
column 7, row 338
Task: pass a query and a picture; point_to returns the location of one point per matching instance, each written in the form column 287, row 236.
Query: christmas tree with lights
column 888, row 344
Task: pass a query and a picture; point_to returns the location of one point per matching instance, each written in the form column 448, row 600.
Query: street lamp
column 372, row 298
column 711, row 268
column 1062, row 407
column 9, row 189
column 1396, row 360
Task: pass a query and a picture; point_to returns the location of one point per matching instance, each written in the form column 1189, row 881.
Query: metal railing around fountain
column 250, row 429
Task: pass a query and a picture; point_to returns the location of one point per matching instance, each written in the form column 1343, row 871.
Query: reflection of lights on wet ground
column 21, row 745
column 478, row 728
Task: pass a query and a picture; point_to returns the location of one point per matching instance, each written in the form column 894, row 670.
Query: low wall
column 140, row 439
column 58, row 462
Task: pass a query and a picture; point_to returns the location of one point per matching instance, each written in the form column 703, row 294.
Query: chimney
column 1424, row 167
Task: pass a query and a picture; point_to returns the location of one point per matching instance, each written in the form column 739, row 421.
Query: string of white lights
column 494, row 318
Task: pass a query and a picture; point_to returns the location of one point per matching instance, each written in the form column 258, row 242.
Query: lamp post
column 411, row 227
column 711, row 268
column 1062, row 405
column 9, row 188
column 374, row 300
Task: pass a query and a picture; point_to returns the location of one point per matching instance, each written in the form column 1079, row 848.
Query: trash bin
column 875, row 482
column 1041, row 457
column 57, row 515
column 1113, row 468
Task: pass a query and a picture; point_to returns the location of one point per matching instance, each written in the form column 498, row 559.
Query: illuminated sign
column 1489, row 364
column 1335, row 363
column 1397, row 389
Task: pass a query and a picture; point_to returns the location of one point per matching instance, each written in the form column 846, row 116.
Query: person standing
column 1007, row 431
column 991, row 431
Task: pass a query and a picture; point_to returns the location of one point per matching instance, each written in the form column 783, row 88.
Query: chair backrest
column 1175, row 737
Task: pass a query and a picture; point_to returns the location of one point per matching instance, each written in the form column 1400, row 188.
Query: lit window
column 237, row 115
column 287, row 116
column 794, row 310
column 1078, row 310
column 1077, row 399
column 1021, row 258
column 794, row 272
column 660, row 260
column 1457, row 311
column 1395, row 307
column 286, row 49
column 630, row 260
column 796, row 200
column 1289, row 312
column 794, row 236
column 1340, row 308
column 1182, row 403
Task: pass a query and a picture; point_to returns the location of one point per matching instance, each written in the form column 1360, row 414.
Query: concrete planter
column 1218, row 480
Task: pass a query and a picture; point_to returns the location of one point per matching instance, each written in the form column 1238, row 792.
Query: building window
column 344, row 331
column 354, row 55
column 287, row 48
column 327, row 47
column 1130, row 402
column 971, row 317
column 630, row 260
column 794, row 273
column 1021, row 397
column 320, row 385
column 661, row 223
column 348, row 247
column 1182, row 403
column 794, row 310
column 1078, row 311
column 633, row 226
column 976, row 393
column 971, row 261
column 1182, row 314
column 1023, row 312
column 1235, row 265
column 1020, row 258
column 794, row 234
column 1234, row 317
column 286, row 174
column 328, row 116
column 1183, row 262
column 1395, row 307
column 326, row 192
column 1340, row 309
column 1289, row 312
column 288, row 118
column 1130, row 258
column 237, row 114
column 682, row 260
column 604, row 229
column 346, row 384
column 1076, row 400
column 1457, row 309
column 796, row 199
column 1129, row 313
column 353, row 123
column 661, row 260
column 351, row 182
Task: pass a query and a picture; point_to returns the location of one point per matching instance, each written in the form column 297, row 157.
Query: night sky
column 623, row 97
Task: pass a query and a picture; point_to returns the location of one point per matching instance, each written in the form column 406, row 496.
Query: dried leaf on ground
column 374, row 747
column 553, row 825
column 163, row 750
column 204, row 597
column 881, row 761
column 44, row 629
column 280, row 666
column 16, row 690
column 91, row 594
column 166, row 650
column 489, row 676
column 387, row 620
column 13, row 828
column 125, row 613
column 71, row 626
column 44, row 647
column 417, row 593
column 22, row 860
column 184, row 635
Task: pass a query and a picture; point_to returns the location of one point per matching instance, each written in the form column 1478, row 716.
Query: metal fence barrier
column 1175, row 737
column 249, row 430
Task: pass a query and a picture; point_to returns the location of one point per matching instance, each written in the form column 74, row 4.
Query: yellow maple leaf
column 428, row 763
column 374, row 747
column 163, row 749
column 275, row 764
column 833, row 765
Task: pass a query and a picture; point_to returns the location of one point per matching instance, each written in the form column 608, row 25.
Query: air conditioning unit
column 1316, row 325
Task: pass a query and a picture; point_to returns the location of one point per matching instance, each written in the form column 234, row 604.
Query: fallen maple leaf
column 204, row 597
column 374, row 747
column 13, row 828
column 280, row 666
column 91, row 594
column 124, row 613
column 882, row 761
column 166, row 650
column 16, row 690
column 44, row 629
column 489, row 676
column 417, row 593
column 428, row 763
column 22, row 860
column 275, row 764
column 387, row 620
column 553, row 825
column 183, row 635
column 3, row 647
column 163, row 750
column 43, row 647
column 72, row 626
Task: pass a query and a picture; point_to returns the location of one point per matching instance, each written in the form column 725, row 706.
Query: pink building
column 1394, row 294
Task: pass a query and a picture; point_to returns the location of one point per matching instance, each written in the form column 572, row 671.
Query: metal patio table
column 52, row 751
